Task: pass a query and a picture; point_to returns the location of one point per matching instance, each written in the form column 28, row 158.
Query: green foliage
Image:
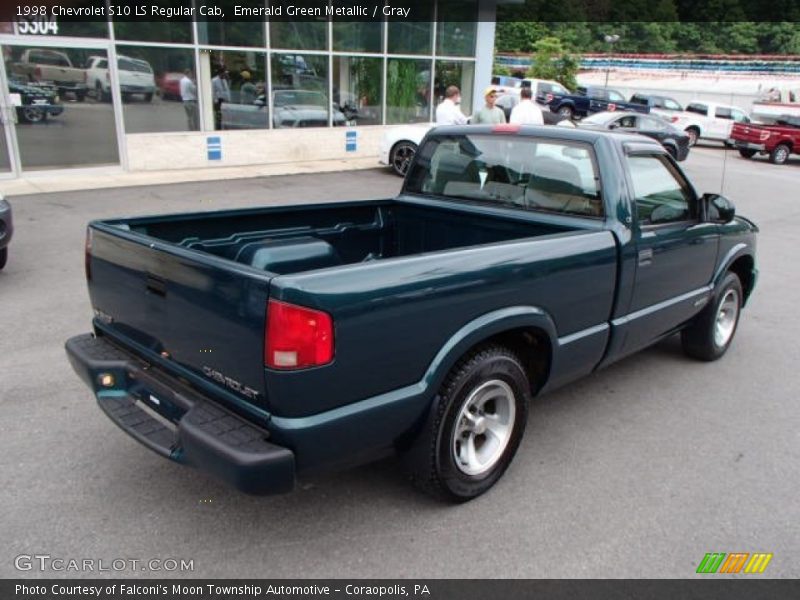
column 727, row 34
column 553, row 61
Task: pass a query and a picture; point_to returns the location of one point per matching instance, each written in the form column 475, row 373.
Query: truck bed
column 296, row 240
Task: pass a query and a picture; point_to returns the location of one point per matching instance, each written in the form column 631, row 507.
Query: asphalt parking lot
column 636, row 471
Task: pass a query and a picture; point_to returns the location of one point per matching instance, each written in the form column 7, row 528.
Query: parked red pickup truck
column 778, row 141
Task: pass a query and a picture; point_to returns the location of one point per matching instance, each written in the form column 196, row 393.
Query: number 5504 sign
column 41, row 25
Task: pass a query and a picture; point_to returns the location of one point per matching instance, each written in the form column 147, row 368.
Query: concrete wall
column 186, row 150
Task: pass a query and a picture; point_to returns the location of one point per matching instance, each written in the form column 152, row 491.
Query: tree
column 553, row 61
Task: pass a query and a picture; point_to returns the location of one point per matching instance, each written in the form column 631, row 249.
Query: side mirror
column 718, row 209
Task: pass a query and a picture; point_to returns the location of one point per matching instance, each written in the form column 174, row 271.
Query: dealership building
column 176, row 94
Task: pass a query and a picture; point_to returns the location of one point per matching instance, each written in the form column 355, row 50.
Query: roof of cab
column 589, row 136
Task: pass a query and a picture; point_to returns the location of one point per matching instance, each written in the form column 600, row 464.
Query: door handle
column 645, row 257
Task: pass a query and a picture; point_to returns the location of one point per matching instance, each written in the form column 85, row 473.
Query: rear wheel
column 3, row 257
column 780, row 154
column 711, row 334
column 401, row 155
column 148, row 97
column 746, row 153
column 475, row 430
column 80, row 96
column 694, row 135
column 566, row 112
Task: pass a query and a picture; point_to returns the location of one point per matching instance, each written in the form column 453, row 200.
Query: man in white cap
column 489, row 114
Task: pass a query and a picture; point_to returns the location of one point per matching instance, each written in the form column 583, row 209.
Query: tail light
column 37, row 73
column 85, row 77
column 297, row 337
column 87, row 254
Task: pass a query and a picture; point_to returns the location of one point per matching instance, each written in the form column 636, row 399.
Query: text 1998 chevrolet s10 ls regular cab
column 266, row 343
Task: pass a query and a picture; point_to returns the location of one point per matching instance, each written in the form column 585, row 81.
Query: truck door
column 677, row 251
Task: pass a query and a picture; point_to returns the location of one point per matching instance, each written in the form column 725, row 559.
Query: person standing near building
column 188, row 90
column 489, row 114
column 448, row 112
column 247, row 93
column 220, row 93
column 526, row 112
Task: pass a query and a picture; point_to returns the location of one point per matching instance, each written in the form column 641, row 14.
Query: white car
column 399, row 144
column 135, row 77
column 708, row 120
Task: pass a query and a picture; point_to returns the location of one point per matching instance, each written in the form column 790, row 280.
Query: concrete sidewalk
column 112, row 177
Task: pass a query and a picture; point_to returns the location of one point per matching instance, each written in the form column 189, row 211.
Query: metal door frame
column 10, row 116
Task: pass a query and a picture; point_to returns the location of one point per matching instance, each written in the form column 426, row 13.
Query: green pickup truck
column 261, row 345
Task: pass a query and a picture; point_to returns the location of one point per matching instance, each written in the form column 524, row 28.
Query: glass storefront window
column 300, row 91
column 60, row 124
column 411, row 37
column 299, row 35
column 357, row 36
column 357, row 89
column 177, row 32
column 457, row 27
column 458, row 73
column 238, row 90
column 219, row 32
column 408, row 91
column 150, row 84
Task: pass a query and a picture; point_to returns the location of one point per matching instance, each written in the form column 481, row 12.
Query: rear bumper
column 739, row 144
column 177, row 422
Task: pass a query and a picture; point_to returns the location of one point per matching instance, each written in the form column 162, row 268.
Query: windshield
column 528, row 173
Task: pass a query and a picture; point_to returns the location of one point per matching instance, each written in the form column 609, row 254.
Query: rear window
column 637, row 99
column 526, row 173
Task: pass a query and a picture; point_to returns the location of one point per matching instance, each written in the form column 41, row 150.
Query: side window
column 723, row 113
column 700, row 109
column 650, row 124
column 670, row 104
column 661, row 194
column 627, row 122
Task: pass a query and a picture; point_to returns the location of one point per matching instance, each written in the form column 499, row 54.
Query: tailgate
column 200, row 316
column 749, row 133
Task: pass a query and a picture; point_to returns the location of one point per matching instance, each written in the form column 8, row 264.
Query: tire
column 33, row 115
column 566, row 112
column 126, row 97
column 746, row 153
column 99, row 94
column 148, row 97
column 80, row 96
column 400, row 157
column 694, row 135
column 780, row 154
column 475, row 426
column 3, row 257
column 712, row 332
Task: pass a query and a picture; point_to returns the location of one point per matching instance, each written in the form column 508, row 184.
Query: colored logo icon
column 736, row 562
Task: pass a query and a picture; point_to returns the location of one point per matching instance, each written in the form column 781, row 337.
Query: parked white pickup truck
column 708, row 120
column 135, row 77
column 42, row 65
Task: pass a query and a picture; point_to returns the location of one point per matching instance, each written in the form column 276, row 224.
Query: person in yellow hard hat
column 248, row 92
column 489, row 114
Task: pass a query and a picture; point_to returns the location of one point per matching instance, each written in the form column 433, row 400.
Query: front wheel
column 476, row 427
column 780, row 154
column 746, row 153
column 711, row 334
column 33, row 115
column 566, row 112
column 400, row 157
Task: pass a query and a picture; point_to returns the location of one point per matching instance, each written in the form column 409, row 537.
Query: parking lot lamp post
column 610, row 40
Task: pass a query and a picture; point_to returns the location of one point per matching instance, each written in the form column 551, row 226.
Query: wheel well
column 398, row 142
column 743, row 267
column 785, row 143
column 533, row 348
column 694, row 127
